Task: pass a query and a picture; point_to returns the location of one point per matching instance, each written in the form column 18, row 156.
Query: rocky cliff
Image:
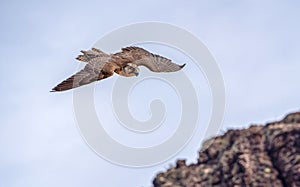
column 258, row 156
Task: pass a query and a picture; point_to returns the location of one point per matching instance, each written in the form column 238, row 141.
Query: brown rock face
column 258, row 156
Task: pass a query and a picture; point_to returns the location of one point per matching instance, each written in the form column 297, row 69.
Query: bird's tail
column 87, row 56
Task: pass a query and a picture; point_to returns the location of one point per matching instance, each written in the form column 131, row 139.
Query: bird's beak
column 136, row 73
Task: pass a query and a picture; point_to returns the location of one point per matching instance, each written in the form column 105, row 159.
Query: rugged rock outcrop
column 257, row 156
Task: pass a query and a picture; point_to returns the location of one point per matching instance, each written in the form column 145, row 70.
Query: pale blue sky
column 256, row 45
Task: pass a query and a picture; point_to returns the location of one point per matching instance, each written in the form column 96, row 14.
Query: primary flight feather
column 125, row 63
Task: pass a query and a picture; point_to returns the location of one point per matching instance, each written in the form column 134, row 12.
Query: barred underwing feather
column 90, row 73
column 154, row 62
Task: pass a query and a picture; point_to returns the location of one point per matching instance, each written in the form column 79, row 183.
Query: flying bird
column 101, row 65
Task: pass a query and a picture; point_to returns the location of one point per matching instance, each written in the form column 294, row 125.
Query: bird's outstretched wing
column 90, row 73
column 154, row 62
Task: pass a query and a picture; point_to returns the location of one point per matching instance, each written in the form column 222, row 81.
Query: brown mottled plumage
column 101, row 65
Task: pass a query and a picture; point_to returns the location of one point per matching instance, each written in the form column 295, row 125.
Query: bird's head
column 131, row 70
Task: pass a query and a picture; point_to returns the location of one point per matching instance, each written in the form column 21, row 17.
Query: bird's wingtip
column 55, row 89
column 182, row 66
